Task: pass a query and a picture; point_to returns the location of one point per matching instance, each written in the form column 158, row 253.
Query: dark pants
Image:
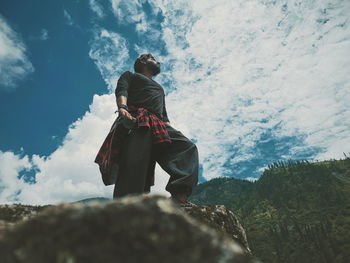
column 178, row 158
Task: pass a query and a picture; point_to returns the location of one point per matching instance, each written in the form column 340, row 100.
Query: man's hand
column 126, row 114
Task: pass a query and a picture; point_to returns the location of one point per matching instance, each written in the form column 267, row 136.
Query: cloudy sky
column 250, row 82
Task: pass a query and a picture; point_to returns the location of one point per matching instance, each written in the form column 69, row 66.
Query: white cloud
column 44, row 35
column 109, row 51
column 96, row 8
column 69, row 173
column 132, row 12
column 14, row 64
column 128, row 11
column 241, row 68
column 68, row 17
column 11, row 165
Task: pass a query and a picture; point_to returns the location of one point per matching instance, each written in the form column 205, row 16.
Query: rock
column 17, row 212
column 136, row 228
column 221, row 219
column 5, row 225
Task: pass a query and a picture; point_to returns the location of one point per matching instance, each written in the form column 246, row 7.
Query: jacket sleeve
column 165, row 114
column 123, row 84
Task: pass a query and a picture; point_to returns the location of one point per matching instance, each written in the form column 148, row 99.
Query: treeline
column 301, row 163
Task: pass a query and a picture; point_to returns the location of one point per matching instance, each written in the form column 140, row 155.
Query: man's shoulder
column 127, row 73
column 133, row 75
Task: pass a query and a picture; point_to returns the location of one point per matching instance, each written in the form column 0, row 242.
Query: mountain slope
column 295, row 212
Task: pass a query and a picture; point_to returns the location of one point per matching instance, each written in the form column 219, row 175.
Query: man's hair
column 138, row 66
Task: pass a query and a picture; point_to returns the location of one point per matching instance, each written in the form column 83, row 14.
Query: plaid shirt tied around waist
column 150, row 120
column 108, row 156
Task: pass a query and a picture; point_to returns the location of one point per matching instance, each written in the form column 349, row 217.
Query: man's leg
column 180, row 160
column 135, row 158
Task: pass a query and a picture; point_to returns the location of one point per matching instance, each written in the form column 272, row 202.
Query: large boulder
column 136, row 228
column 221, row 219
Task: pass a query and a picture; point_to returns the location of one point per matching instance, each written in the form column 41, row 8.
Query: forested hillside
column 295, row 212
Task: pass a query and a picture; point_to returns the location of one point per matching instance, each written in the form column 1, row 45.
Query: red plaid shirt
column 108, row 156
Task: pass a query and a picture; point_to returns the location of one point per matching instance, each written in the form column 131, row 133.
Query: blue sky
column 250, row 82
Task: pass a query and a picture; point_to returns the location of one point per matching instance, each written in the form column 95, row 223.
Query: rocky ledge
column 136, row 228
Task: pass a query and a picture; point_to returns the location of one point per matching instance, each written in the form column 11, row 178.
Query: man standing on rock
column 151, row 138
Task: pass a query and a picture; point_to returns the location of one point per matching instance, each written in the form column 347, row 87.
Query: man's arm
column 123, row 112
column 165, row 114
column 121, row 93
column 123, row 84
column 122, row 100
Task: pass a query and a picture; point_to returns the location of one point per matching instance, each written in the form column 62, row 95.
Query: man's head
column 146, row 63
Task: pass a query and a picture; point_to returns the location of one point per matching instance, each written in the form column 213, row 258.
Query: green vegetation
column 296, row 212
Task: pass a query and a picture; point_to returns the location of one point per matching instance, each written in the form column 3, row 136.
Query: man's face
column 153, row 65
